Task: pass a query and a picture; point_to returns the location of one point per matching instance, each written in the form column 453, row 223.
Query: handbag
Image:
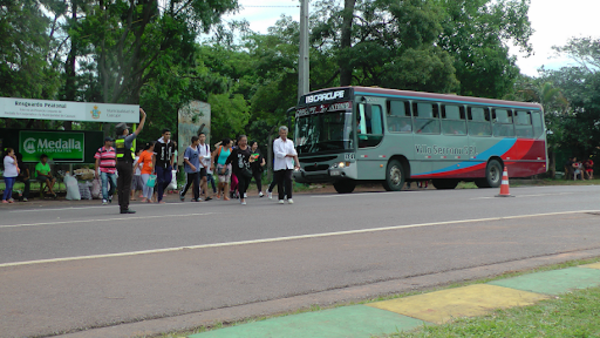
column 151, row 181
column 246, row 172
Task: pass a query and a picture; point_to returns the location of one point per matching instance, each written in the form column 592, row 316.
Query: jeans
column 106, row 180
column 147, row 191
column 163, row 179
column 189, row 179
column 9, row 182
column 211, row 180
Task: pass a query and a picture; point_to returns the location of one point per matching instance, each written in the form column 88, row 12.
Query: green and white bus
column 351, row 134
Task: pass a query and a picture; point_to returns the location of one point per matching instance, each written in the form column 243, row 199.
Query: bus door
column 453, row 150
column 426, row 136
column 369, row 135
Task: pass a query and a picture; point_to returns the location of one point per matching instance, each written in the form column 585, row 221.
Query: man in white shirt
column 286, row 160
column 204, row 156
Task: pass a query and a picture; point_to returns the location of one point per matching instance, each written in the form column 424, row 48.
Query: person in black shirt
column 23, row 177
column 164, row 155
column 258, row 165
column 241, row 161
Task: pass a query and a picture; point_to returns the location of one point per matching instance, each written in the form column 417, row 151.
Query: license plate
column 335, row 173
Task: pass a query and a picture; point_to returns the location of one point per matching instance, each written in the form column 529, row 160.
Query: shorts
column 224, row 178
column 42, row 178
column 202, row 172
column 137, row 183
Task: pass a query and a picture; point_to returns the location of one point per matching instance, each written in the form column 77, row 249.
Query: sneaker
column 243, row 202
column 245, row 195
column 281, row 201
column 270, row 193
column 290, row 201
column 24, row 199
column 208, row 199
column 110, row 199
column 260, row 194
column 104, row 202
column 181, row 198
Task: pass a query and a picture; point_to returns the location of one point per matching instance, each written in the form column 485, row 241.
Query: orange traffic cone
column 504, row 186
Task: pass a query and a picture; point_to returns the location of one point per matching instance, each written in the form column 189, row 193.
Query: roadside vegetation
column 582, row 306
column 573, row 314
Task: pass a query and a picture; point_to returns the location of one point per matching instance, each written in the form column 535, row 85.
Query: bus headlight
column 340, row 165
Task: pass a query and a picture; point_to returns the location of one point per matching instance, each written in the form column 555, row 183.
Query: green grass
column 574, row 314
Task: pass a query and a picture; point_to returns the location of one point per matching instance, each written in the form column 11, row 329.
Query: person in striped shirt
column 106, row 167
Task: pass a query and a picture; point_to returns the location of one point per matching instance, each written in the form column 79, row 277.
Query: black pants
column 284, row 183
column 189, row 179
column 273, row 183
column 27, row 183
column 258, row 178
column 125, row 169
column 243, row 184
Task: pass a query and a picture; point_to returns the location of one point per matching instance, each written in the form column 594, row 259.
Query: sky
column 554, row 22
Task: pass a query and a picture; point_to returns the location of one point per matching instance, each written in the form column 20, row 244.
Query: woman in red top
column 589, row 168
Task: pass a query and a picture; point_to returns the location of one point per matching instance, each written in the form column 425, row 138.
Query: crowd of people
column 150, row 171
column 577, row 170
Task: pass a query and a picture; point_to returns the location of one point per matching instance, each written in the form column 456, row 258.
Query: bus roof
column 409, row 94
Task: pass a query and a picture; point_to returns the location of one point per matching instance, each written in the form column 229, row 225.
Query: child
column 137, row 184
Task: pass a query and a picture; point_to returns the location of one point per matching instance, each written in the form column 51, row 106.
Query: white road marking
column 374, row 193
column 84, row 207
column 114, row 219
column 281, row 239
column 538, row 195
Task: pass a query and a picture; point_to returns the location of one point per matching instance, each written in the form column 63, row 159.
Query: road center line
column 114, row 219
column 282, row 239
column 538, row 195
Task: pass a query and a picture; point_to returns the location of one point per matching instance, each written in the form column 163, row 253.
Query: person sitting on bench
column 43, row 174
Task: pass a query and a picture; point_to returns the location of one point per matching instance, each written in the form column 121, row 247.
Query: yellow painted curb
column 469, row 301
column 591, row 266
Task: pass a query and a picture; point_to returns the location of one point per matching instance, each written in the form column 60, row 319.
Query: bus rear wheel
column 394, row 176
column 344, row 187
column 445, row 184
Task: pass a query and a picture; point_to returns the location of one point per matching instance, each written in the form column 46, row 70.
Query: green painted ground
column 351, row 321
column 553, row 282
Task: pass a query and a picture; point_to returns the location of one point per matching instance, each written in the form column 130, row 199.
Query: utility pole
column 303, row 62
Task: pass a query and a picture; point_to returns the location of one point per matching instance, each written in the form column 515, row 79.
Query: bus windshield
column 324, row 133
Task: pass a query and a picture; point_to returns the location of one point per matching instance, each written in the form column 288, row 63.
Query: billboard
column 191, row 119
column 14, row 108
column 59, row 146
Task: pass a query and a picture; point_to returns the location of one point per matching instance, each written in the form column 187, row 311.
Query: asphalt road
column 71, row 269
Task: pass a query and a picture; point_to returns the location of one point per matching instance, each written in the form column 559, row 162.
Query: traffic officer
column 123, row 145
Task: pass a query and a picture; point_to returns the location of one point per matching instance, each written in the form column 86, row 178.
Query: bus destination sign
column 323, row 108
column 327, row 96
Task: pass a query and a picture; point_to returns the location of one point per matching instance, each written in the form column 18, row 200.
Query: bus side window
column 503, row 122
column 453, row 120
column 479, row 121
column 538, row 126
column 523, row 124
column 398, row 117
column 426, row 118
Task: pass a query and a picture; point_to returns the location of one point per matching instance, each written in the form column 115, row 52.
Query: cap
column 120, row 127
column 108, row 139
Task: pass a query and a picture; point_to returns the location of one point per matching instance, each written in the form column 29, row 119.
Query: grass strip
column 574, row 314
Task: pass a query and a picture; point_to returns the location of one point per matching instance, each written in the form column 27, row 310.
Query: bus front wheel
column 394, row 176
column 344, row 187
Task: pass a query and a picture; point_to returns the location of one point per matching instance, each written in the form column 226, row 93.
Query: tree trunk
column 70, row 83
column 348, row 17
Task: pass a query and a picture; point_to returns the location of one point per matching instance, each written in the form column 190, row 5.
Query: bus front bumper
column 324, row 176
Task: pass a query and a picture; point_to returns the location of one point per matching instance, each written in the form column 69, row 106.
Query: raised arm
column 142, row 121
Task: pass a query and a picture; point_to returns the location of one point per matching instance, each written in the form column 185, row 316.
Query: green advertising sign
column 59, row 146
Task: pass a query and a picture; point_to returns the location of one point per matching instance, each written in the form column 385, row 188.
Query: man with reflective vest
column 123, row 144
